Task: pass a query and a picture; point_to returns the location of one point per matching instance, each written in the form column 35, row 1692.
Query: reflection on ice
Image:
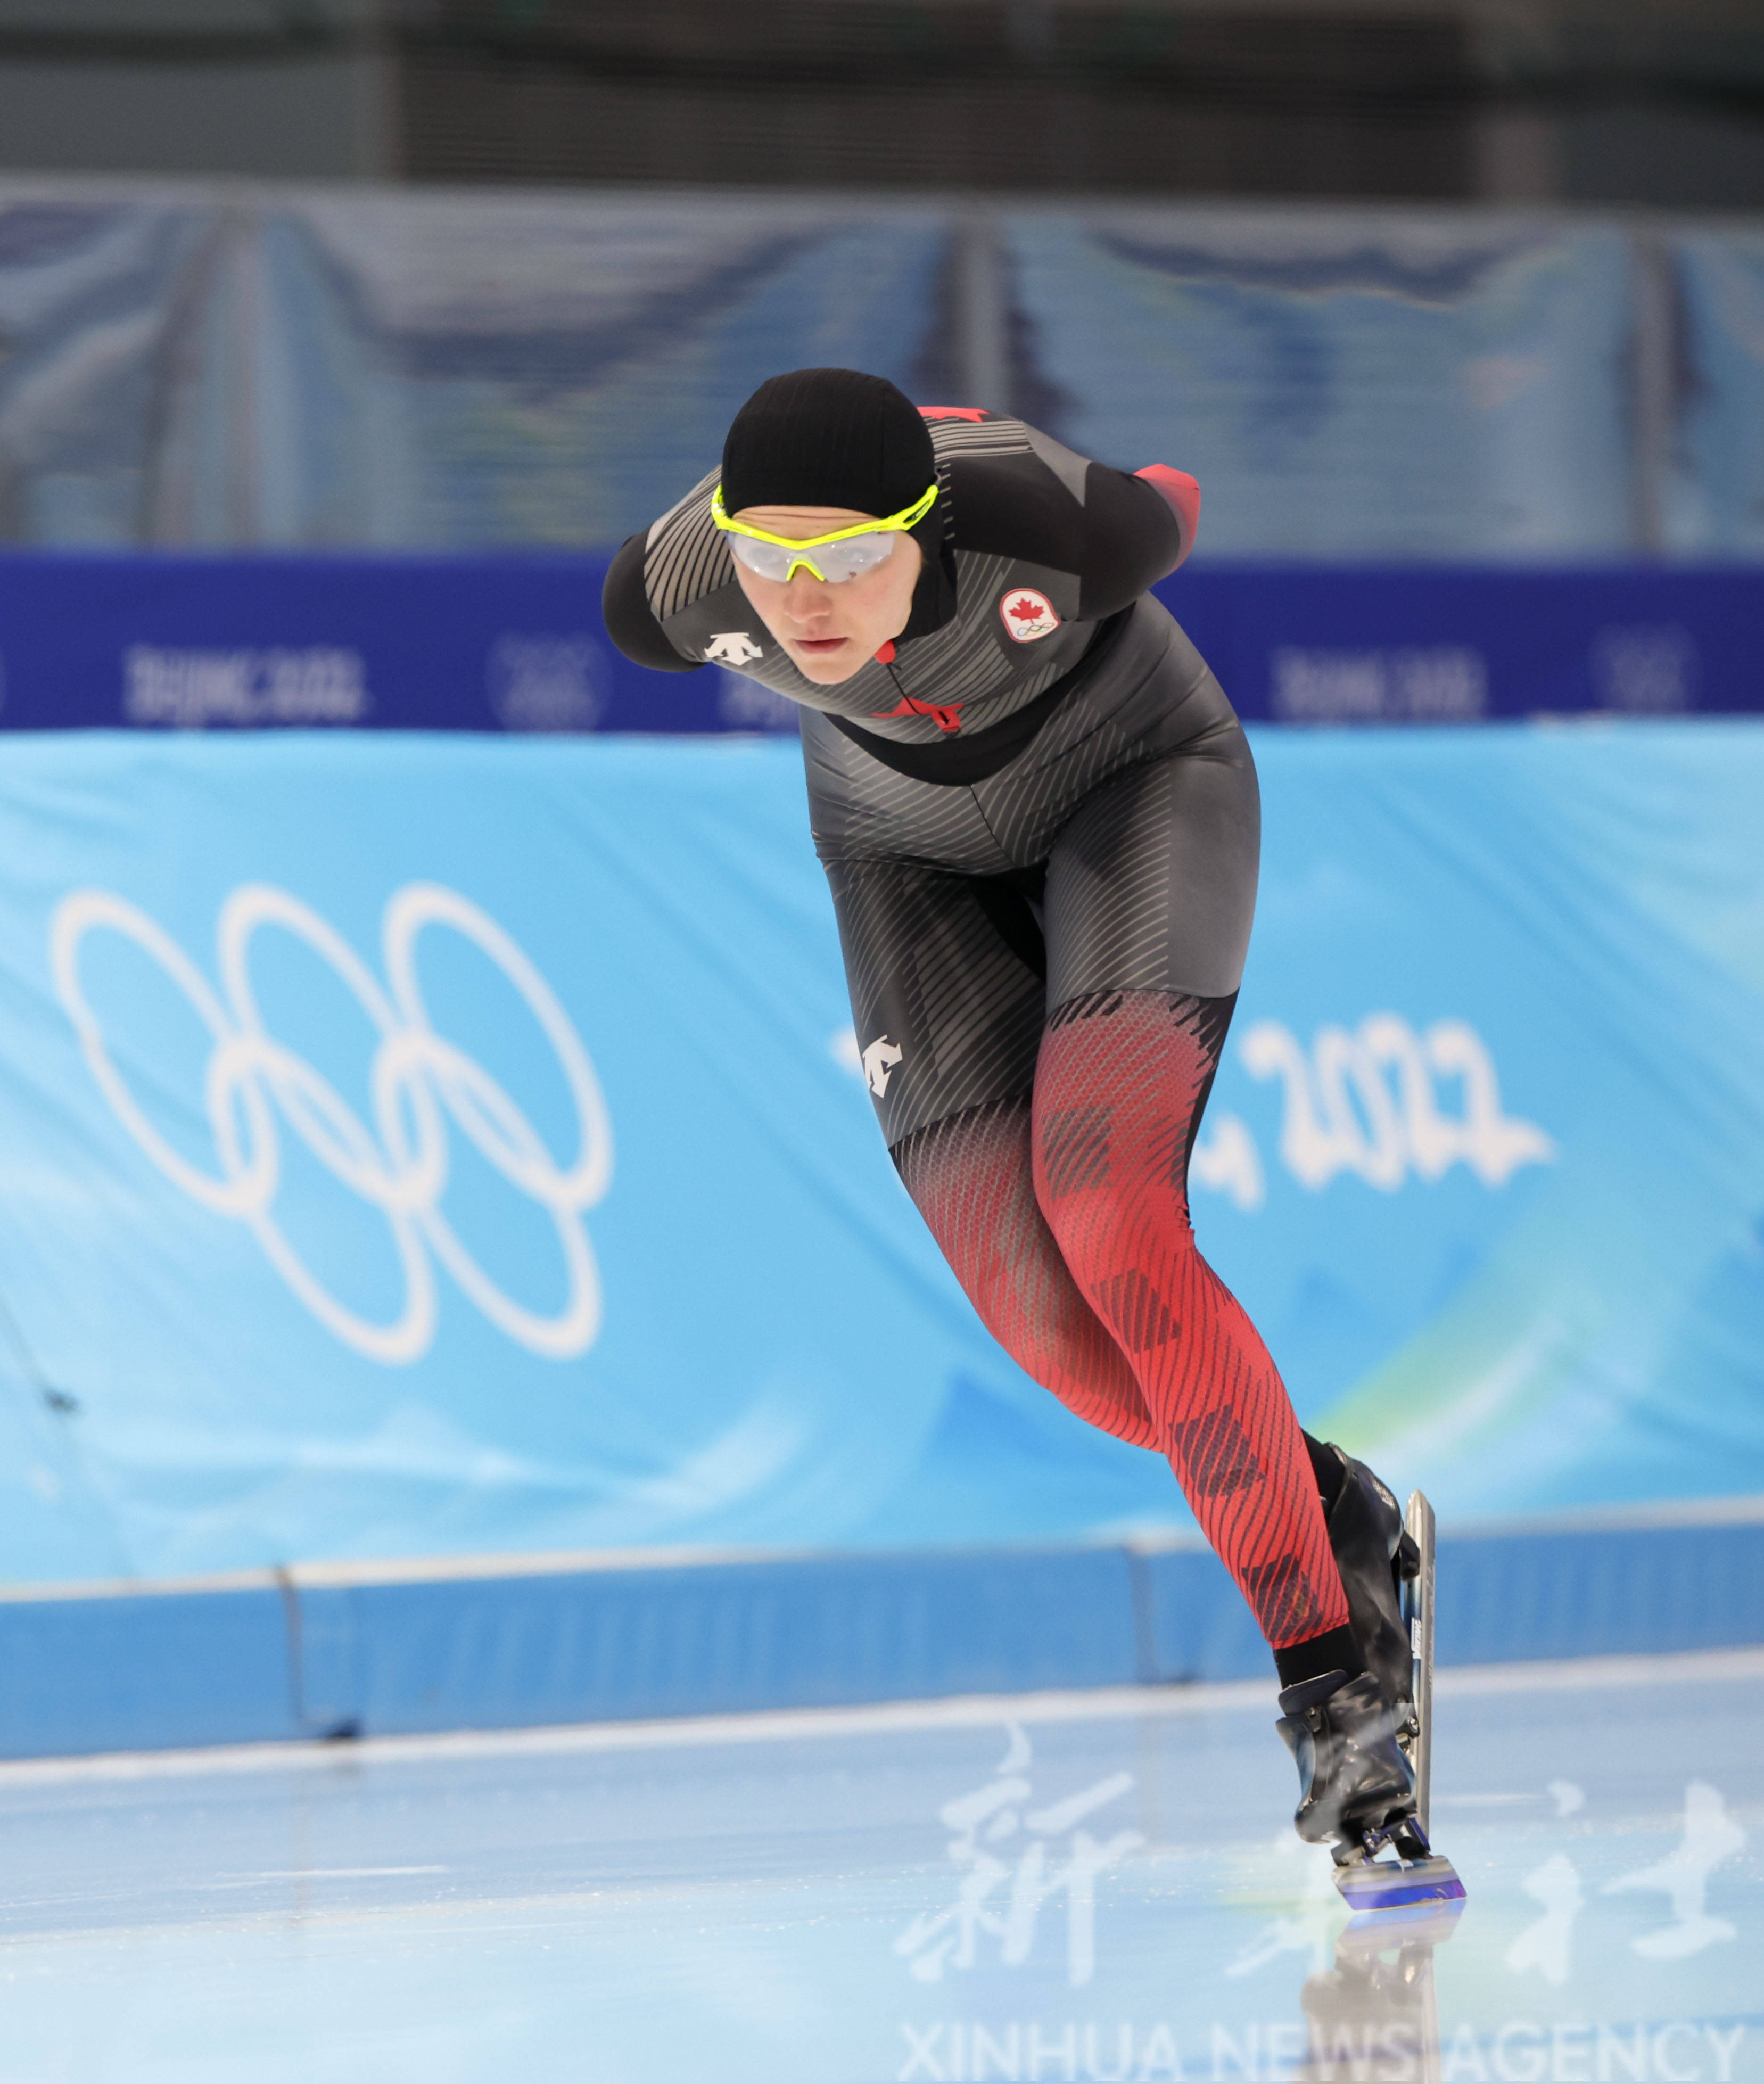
column 1375, row 2007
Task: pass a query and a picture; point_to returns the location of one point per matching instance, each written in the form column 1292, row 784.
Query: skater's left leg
column 1150, row 892
column 1119, row 1093
column 1375, row 1555
column 1122, row 1078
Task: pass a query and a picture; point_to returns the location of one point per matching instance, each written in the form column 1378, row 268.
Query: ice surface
column 1095, row 1887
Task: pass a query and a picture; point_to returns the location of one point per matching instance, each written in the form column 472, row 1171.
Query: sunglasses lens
column 837, row 561
column 856, row 553
column 770, row 561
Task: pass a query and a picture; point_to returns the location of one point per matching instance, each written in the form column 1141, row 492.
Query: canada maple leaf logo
column 1027, row 615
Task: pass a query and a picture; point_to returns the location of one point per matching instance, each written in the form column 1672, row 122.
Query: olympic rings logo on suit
column 418, row 1082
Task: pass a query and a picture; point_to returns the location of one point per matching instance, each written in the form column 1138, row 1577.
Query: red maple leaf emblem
column 951, row 412
column 1027, row 610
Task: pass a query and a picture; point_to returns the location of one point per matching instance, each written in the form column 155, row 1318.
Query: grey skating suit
column 1040, row 819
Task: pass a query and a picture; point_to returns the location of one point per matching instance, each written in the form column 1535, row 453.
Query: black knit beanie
column 827, row 438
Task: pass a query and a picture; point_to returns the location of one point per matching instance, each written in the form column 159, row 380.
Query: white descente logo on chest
column 732, row 647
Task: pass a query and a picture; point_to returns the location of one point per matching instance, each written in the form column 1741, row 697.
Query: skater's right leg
column 971, row 1178
column 949, row 971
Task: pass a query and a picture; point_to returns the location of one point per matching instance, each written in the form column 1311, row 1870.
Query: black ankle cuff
column 1328, row 1469
column 1337, row 1651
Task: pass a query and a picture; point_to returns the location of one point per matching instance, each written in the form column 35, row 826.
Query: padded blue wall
column 317, row 1657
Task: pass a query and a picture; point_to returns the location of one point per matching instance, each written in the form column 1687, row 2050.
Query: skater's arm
column 1182, row 493
column 1134, row 534
column 631, row 622
column 1119, row 532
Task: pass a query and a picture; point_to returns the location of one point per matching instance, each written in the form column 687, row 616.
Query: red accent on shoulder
column 1182, row 493
column 951, row 412
column 946, row 716
column 885, row 656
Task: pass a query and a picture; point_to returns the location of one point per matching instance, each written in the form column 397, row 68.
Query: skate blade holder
column 1422, row 1888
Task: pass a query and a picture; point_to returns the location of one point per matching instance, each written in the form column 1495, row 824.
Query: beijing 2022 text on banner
column 516, row 644
column 434, row 1146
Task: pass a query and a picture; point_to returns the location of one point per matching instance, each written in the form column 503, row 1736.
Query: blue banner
column 517, row 644
column 437, row 1145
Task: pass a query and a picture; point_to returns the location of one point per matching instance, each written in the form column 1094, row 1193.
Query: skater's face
column 829, row 632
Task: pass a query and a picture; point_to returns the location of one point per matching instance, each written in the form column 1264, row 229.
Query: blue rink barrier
column 517, row 644
column 325, row 1653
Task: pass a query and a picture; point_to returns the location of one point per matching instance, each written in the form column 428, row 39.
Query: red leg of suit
column 972, row 1179
column 1121, row 1081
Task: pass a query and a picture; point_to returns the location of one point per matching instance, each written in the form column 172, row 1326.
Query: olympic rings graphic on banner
column 418, row 1082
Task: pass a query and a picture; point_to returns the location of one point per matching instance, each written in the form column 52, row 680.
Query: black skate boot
column 1375, row 1555
column 1357, row 1784
column 1364, row 1745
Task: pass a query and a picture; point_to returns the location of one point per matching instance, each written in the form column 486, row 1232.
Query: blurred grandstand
column 991, row 200
column 452, row 371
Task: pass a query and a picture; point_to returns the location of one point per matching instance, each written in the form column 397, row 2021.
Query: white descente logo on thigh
column 879, row 1059
column 420, row 1081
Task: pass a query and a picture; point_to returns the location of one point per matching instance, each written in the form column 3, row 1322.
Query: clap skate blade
column 1416, row 1875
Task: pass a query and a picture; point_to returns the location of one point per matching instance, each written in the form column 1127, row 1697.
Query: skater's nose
column 807, row 599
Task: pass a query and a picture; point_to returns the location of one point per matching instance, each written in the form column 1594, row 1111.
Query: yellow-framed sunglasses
column 843, row 554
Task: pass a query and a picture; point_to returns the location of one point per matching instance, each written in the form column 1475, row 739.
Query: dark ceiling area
column 1620, row 102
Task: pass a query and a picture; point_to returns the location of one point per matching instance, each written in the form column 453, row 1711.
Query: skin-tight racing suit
column 1039, row 816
